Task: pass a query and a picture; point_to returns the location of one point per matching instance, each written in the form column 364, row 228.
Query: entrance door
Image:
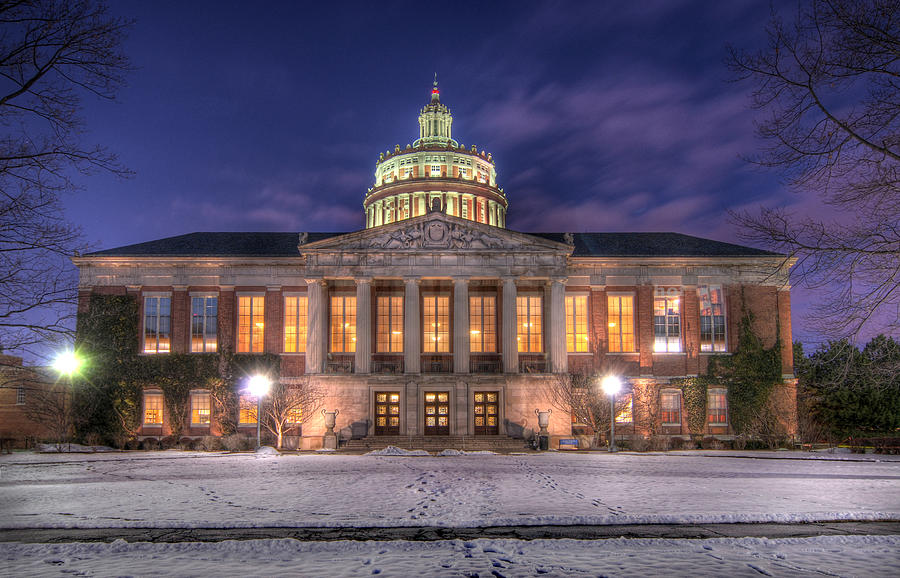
column 387, row 413
column 486, row 408
column 437, row 414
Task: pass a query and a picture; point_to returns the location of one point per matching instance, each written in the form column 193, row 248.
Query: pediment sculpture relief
column 435, row 235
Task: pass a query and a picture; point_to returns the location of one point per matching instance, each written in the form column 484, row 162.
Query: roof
column 285, row 245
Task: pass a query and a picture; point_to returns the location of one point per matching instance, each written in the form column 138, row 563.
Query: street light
column 258, row 386
column 67, row 363
column 611, row 385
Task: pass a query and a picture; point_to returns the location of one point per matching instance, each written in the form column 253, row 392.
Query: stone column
column 316, row 339
column 559, row 359
column 510, row 345
column 363, row 325
column 460, row 325
column 412, row 327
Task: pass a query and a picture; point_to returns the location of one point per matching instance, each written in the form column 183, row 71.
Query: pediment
column 437, row 232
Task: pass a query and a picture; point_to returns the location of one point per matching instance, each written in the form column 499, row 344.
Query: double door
column 437, row 413
column 486, row 409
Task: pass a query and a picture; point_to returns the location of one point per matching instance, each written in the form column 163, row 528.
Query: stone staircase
column 499, row 444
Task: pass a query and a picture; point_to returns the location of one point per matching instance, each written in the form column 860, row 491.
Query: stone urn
column 329, row 440
column 544, row 434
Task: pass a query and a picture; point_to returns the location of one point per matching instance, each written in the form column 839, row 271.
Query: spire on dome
column 435, row 121
column 435, row 93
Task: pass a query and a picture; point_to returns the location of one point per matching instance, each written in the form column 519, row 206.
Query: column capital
column 273, row 287
column 461, row 278
column 316, row 280
column 226, row 287
column 562, row 280
column 416, row 280
column 363, row 280
column 179, row 287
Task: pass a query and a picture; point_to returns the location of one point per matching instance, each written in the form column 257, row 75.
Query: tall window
column 157, row 321
column 716, row 407
column 667, row 324
column 251, row 323
column 204, row 312
column 712, row 319
column 294, row 415
column 389, row 325
column 343, row 324
column 199, row 408
column 436, row 324
column 20, row 395
column 620, row 311
column 626, row 408
column 153, row 408
column 528, row 323
column 295, row 312
column 247, row 407
column 670, row 407
column 483, row 324
column 576, row 324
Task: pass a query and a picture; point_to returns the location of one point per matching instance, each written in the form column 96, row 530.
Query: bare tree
column 580, row 395
column 50, row 406
column 829, row 85
column 289, row 405
column 52, row 52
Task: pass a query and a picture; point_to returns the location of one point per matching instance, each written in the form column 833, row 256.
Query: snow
column 72, row 448
column 176, row 489
column 828, row 555
column 395, row 451
column 449, row 453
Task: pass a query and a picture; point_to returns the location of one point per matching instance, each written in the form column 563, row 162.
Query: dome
column 435, row 173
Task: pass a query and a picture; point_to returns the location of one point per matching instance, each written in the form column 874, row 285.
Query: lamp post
column 258, row 386
column 67, row 363
column 611, row 385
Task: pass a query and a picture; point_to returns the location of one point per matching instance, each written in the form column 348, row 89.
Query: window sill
column 580, row 353
column 670, row 353
column 623, row 353
column 711, row 353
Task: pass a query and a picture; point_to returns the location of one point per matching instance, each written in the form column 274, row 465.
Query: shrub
column 658, row 443
column 711, row 443
column 148, row 444
column 236, row 442
column 210, row 444
column 677, row 443
column 187, row 443
column 168, row 442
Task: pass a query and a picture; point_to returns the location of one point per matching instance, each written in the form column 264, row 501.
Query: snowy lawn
column 186, row 489
column 825, row 555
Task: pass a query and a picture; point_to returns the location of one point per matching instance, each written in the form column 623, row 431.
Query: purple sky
column 600, row 116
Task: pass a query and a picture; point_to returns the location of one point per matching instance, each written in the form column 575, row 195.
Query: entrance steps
column 497, row 443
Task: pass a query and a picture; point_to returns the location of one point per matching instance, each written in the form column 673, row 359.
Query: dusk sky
column 605, row 116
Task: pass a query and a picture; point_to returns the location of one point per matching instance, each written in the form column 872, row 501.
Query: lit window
column 435, row 170
column 247, row 405
column 625, row 403
column 483, row 324
column 717, row 407
column 528, row 324
column 436, row 324
column 667, row 324
column 20, row 395
column 670, row 407
column 251, row 323
column 465, row 208
column 712, row 319
column 294, row 415
column 343, row 324
column 620, row 313
column 157, row 320
column 204, row 311
column 200, row 408
column 576, row 324
column 295, row 311
column 389, row 325
column 153, row 408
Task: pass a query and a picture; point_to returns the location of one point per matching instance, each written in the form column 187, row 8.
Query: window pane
column 199, row 408
column 667, row 324
column 247, row 406
column 153, row 408
column 576, row 324
column 343, row 324
column 157, row 324
column 712, row 318
column 251, row 324
column 295, row 320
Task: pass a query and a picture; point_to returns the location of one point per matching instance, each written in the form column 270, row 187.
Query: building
column 29, row 400
column 436, row 320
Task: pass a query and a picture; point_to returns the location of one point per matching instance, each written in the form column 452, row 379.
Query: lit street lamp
column 611, row 386
column 67, row 363
column 258, row 386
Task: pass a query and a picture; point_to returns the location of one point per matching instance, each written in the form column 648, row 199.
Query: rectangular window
column 389, row 324
column 199, row 408
column 667, row 324
column 251, row 323
column 483, row 324
column 294, row 415
column 620, row 310
column 153, row 408
column 435, row 170
column 670, row 407
column 436, row 324
column 20, row 396
column 625, row 404
column 295, row 312
column 204, row 315
column 247, row 405
column 712, row 319
column 576, row 324
column 717, row 407
column 343, row 324
column 157, row 320
column 465, row 208
column 528, row 323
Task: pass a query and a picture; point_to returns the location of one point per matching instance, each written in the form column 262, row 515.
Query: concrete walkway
column 682, row 531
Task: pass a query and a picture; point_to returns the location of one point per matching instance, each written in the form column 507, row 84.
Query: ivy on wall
column 110, row 391
column 693, row 395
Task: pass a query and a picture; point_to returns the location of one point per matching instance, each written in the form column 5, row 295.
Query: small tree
column 289, row 405
column 580, row 395
column 51, row 407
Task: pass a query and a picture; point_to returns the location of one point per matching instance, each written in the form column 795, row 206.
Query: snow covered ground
column 185, row 489
column 198, row 490
column 826, row 555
